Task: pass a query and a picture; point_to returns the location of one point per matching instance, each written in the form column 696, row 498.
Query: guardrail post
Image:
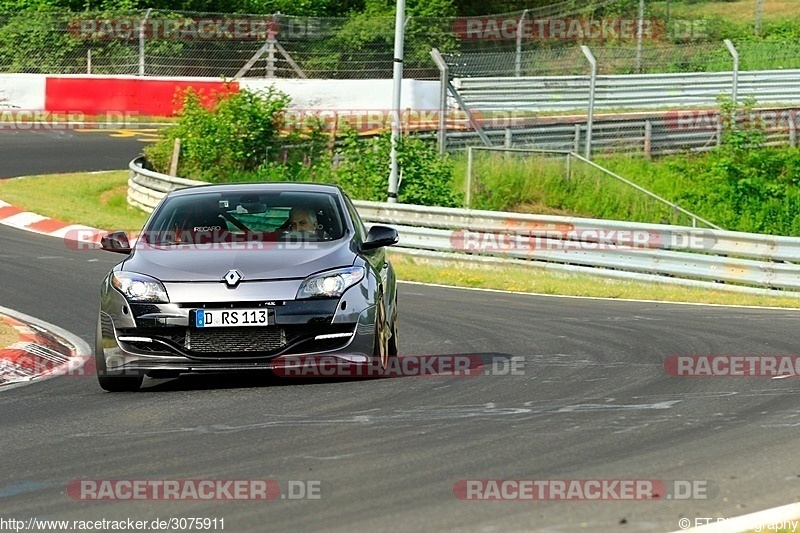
column 793, row 129
column 576, row 143
column 592, row 87
column 648, row 138
column 735, row 55
column 508, row 140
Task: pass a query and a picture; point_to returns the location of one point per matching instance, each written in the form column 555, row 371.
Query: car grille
column 242, row 342
column 235, row 340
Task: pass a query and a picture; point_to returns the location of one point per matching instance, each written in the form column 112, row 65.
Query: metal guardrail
column 629, row 91
column 650, row 133
column 722, row 260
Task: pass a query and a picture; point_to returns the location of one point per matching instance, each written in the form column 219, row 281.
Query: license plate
column 222, row 318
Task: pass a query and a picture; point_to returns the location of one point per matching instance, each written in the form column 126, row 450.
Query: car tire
column 394, row 347
column 112, row 381
column 380, row 348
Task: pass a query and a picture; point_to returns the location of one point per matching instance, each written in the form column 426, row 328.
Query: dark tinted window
column 248, row 215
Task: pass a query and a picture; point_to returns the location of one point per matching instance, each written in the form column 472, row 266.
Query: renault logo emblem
column 232, row 278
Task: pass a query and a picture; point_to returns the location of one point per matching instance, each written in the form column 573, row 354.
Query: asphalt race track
column 591, row 400
column 30, row 152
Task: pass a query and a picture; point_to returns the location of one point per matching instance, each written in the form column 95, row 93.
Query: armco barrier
column 720, row 260
column 628, row 91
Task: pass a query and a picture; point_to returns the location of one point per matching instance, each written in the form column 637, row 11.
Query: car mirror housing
column 380, row 236
column 116, row 242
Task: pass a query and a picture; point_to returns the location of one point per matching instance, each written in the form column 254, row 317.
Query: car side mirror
column 116, row 242
column 380, row 236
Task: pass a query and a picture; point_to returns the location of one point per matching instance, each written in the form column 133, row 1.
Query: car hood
column 180, row 263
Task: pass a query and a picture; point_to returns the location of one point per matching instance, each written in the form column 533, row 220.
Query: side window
column 361, row 231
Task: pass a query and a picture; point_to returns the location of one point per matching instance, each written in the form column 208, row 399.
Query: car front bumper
column 141, row 338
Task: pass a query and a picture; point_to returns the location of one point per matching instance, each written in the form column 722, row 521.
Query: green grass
column 97, row 199
column 536, row 184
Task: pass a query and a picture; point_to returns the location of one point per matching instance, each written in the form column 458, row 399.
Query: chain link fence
column 535, row 42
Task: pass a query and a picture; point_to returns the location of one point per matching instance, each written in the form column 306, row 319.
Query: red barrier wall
column 145, row 96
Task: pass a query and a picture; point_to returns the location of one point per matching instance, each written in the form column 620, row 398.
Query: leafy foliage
column 240, row 138
column 425, row 176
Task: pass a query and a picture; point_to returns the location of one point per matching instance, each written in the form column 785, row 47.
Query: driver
column 302, row 219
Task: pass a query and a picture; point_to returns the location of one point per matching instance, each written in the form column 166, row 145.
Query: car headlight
column 330, row 284
column 138, row 287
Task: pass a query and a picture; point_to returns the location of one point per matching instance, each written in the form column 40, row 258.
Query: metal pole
column 444, row 77
column 757, row 29
column 735, row 55
column 518, row 65
column 469, row 177
column 271, row 58
column 142, row 35
column 592, row 86
column 639, row 32
column 399, row 23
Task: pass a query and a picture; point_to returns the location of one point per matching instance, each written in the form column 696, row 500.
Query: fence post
column 576, row 142
column 592, row 87
column 569, row 166
column 469, row 178
column 518, row 59
column 444, row 78
column 271, row 58
column 142, row 35
column 735, row 55
column 176, row 155
column 793, row 129
column 508, row 139
column 89, row 61
column 648, row 138
column 639, row 32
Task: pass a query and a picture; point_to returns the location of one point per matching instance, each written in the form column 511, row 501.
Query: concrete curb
column 43, row 351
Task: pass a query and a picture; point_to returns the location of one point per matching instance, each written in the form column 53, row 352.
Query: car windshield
column 209, row 217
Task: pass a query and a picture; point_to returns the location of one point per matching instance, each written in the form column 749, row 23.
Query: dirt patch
column 8, row 335
column 110, row 194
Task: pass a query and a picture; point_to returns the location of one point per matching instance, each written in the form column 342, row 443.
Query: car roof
column 293, row 186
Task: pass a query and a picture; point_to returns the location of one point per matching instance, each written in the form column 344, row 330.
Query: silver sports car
column 232, row 277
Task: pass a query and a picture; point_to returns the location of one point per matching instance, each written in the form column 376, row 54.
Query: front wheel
column 381, row 344
column 112, row 381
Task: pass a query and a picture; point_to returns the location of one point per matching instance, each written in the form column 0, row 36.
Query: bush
column 239, row 137
column 425, row 176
